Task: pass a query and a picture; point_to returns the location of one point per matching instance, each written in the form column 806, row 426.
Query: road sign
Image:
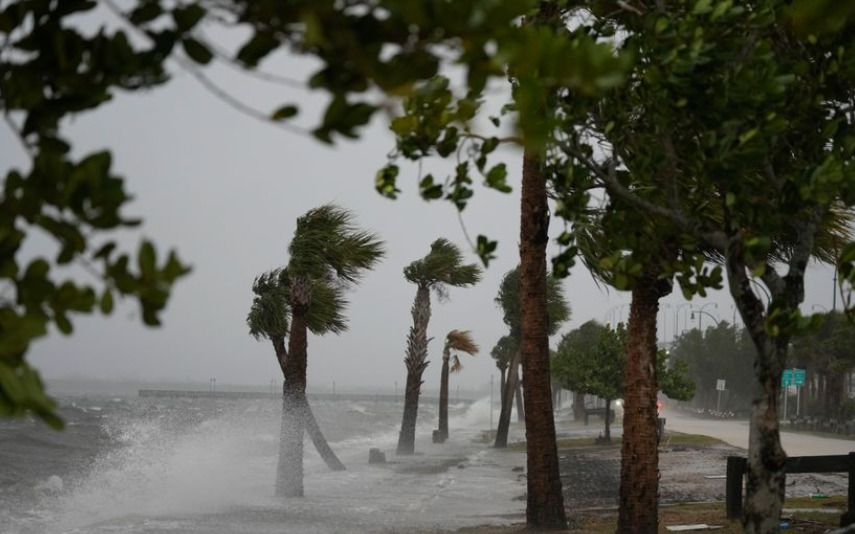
column 719, row 384
column 787, row 378
column 799, row 377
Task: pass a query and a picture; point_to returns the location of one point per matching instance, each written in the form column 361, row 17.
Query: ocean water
column 129, row 465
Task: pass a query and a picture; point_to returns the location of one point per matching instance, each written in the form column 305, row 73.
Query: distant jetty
column 351, row 397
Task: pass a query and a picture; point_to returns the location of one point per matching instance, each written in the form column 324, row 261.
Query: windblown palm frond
column 443, row 266
column 508, row 299
column 326, row 310
column 504, row 351
column 269, row 316
column 327, row 240
column 459, row 341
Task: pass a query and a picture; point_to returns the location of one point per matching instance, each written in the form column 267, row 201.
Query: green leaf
column 486, row 249
column 188, row 16
column 257, row 48
column 197, row 51
column 107, row 302
column 147, row 259
column 285, row 112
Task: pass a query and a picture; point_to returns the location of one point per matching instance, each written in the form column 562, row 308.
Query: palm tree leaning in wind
column 442, row 267
column 328, row 254
column 458, row 341
column 269, row 318
column 509, row 299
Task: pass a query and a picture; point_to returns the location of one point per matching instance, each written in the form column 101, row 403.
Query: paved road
column 736, row 433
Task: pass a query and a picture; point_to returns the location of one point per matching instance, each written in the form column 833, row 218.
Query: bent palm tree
column 268, row 318
column 503, row 352
column 328, row 255
column 442, row 267
column 459, row 341
column 509, row 299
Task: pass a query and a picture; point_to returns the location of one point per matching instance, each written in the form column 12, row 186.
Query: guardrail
column 737, row 466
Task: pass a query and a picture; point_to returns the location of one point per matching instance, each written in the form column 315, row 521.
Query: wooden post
column 735, row 471
column 848, row 516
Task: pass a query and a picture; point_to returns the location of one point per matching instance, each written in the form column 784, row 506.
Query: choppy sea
column 131, row 465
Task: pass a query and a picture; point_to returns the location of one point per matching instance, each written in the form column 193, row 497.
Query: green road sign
column 787, row 378
column 799, row 377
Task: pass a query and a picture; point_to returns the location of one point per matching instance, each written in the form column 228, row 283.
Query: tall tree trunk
column 518, row 393
column 545, row 502
column 443, row 399
column 416, row 362
column 502, row 379
column 764, row 486
column 608, row 419
column 639, row 469
column 507, row 403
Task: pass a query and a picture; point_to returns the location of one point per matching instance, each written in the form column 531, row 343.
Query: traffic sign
column 787, row 378
column 799, row 377
column 719, row 384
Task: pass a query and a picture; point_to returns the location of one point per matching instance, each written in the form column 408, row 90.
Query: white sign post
column 719, row 385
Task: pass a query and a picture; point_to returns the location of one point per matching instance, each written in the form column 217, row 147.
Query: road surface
column 735, row 432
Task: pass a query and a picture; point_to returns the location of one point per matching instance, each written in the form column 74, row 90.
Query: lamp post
column 834, row 291
column 701, row 312
column 677, row 317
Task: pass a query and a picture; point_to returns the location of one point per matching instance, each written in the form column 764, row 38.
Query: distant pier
column 351, row 397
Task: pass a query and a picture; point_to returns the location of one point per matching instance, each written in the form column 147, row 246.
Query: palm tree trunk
column 289, row 480
column 507, row 403
column 416, row 362
column 639, row 481
column 519, row 397
column 289, row 471
column 545, row 502
column 443, row 399
column 319, row 440
column 502, row 379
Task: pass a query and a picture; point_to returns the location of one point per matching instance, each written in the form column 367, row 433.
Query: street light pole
column 701, row 312
column 677, row 317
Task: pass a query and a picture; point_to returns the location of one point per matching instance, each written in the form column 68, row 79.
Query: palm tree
column 329, row 254
column 509, row 299
column 268, row 318
column 442, row 267
column 503, row 352
column 459, row 341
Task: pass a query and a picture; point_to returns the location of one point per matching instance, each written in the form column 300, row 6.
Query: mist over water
column 134, row 465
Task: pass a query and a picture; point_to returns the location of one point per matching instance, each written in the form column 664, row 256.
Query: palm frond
column 504, row 351
column 326, row 309
column 270, row 313
column 443, row 265
column 455, row 366
column 328, row 240
column 508, row 298
column 461, row 341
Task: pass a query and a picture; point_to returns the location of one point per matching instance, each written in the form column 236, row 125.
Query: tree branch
column 714, row 239
column 209, row 85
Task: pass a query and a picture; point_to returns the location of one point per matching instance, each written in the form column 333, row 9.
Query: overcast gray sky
column 225, row 190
